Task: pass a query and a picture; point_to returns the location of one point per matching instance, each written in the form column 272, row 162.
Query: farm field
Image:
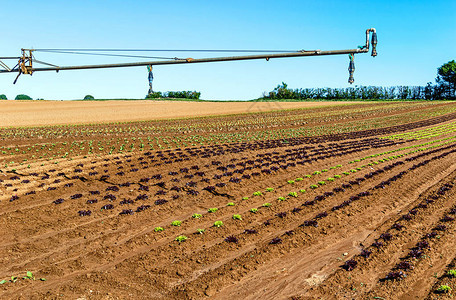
column 321, row 201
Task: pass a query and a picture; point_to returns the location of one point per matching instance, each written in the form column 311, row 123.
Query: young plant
column 293, row 194
column 212, row 210
column 258, row 193
column 266, row 204
column 237, row 217
column 451, row 273
column 200, row 230
column 321, row 183
column 443, row 289
column 253, row 210
column 218, row 224
column 245, row 198
column 281, row 198
column 313, row 186
column 196, row 216
column 176, row 223
column 269, row 189
column 302, row 191
column 291, row 181
column 158, row 229
column 29, row 276
column 299, row 179
column 181, row 238
column 230, row 204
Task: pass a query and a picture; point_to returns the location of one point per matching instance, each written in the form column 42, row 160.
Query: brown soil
column 109, row 255
column 35, row 113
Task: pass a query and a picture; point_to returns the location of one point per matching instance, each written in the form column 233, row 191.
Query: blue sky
column 415, row 38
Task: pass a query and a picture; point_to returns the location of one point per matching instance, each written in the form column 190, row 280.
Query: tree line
column 444, row 89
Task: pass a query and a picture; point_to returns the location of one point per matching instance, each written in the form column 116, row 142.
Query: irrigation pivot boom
column 26, row 62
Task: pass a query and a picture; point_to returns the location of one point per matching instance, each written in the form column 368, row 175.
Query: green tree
column 3, row 97
column 89, row 97
column 23, row 97
column 446, row 78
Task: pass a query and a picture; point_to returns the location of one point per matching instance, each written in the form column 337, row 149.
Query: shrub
column 89, row 97
column 3, row 97
column 23, row 97
column 179, row 94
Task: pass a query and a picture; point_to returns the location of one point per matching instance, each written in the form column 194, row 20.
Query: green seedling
column 443, row 289
column 212, row 210
column 196, row 216
column 29, row 276
column 245, row 198
column 281, row 198
column 230, row 204
column 258, row 193
column 176, row 223
column 291, row 181
column 200, row 230
column 266, row 204
column 158, row 229
column 218, row 224
column 253, row 210
column 269, row 189
column 302, row 191
column 451, row 273
column 237, row 217
column 181, row 238
column 293, row 194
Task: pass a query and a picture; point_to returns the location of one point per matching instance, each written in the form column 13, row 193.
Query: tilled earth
column 344, row 216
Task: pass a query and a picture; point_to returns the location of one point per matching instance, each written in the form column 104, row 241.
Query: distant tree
column 3, row 97
column 89, row 97
column 23, row 97
column 446, row 79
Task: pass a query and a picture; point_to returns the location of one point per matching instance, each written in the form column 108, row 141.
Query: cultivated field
column 316, row 201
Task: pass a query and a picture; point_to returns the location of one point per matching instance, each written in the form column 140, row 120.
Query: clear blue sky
column 415, row 37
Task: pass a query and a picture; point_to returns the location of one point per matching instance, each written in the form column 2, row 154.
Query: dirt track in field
column 35, row 113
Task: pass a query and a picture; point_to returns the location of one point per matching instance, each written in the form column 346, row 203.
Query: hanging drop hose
column 351, row 68
column 374, row 43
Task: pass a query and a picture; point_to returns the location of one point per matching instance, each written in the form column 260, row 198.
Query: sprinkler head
column 374, row 44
